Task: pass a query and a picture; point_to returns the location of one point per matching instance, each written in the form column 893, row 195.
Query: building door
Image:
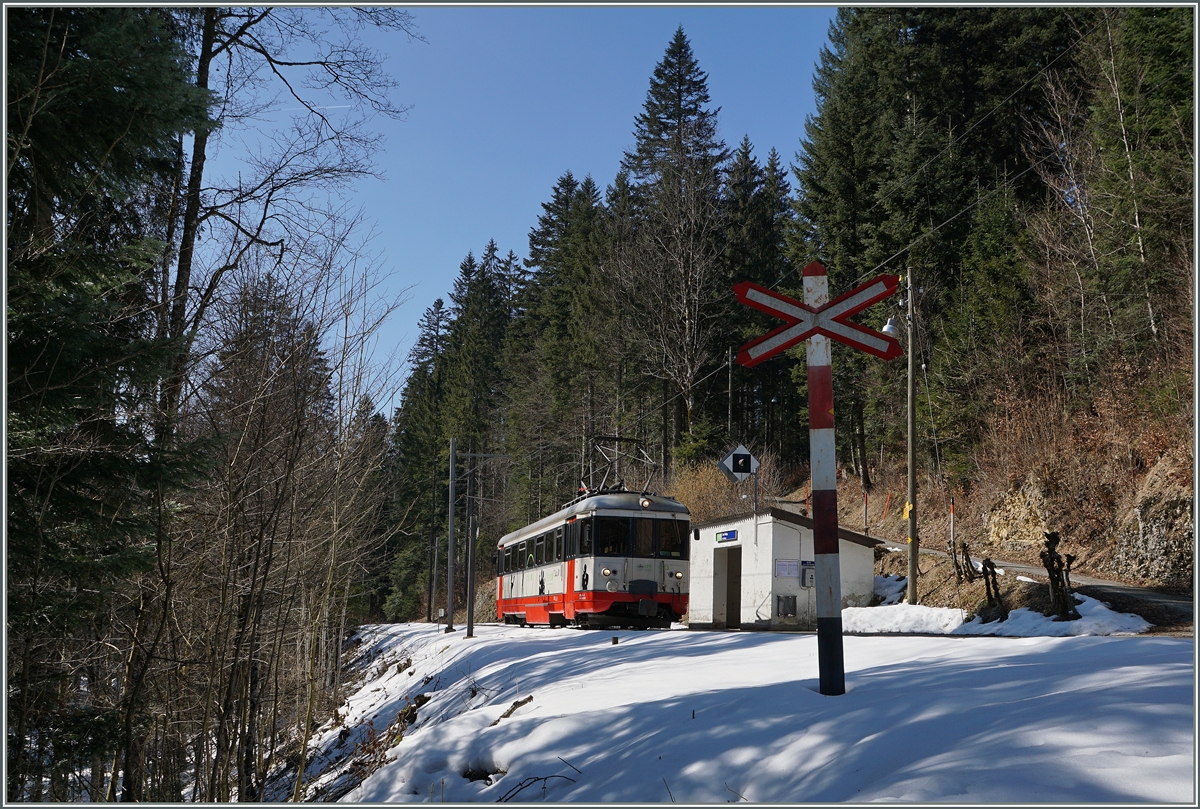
column 727, row 588
column 733, row 616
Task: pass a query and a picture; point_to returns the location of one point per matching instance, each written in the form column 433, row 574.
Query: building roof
column 793, row 518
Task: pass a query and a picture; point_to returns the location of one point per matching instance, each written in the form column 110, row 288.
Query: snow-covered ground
column 713, row 717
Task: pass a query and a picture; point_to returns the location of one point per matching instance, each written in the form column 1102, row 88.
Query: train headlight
column 607, row 571
column 645, row 502
column 679, row 574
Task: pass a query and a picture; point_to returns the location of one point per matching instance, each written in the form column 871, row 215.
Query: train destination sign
column 802, row 321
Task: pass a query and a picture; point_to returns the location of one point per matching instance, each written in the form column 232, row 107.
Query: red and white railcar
column 606, row 559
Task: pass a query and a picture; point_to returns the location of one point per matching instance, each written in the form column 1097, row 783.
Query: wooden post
column 910, row 508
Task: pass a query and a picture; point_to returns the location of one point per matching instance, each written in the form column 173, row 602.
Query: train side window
column 585, row 537
column 558, row 545
column 500, row 561
column 521, row 553
column 539, row 550
column 572, row 538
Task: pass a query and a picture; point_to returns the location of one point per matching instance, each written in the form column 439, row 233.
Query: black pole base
column 829, row 656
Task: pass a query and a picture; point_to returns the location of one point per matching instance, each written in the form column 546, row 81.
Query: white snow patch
column 906, row 618
column 978, row 565
column 890, row 589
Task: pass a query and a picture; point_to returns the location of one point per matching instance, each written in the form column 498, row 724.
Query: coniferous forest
column 204, row 495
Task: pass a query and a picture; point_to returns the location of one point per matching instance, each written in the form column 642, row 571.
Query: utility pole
column 470, row 596
column 472, row 538
column 472, row 525
column 911, row 506
column 450, row 550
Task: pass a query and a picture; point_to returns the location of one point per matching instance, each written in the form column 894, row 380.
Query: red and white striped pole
column 830, row 659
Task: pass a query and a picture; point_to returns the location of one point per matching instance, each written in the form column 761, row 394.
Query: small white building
column 759, row 573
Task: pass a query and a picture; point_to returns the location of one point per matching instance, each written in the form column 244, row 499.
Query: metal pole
column 914, row 544
column 450, row 544
column 953, row 550
column 470, row 556
column 432, row 546
column 830, row 658
column 433, row 571
column 472, row 538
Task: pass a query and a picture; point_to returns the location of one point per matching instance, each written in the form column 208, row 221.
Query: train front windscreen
column 638, row 537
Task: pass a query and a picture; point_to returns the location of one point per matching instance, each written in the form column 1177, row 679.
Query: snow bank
column 894, row 617
column 1097, row 619
column 905, row 618
column 714, row 717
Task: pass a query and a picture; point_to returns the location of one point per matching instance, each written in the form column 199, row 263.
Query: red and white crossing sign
column 816, row 322
column 832, row 319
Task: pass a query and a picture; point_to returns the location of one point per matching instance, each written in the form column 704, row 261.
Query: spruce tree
column 668, row 265
column 416, row 470
column 675, row 123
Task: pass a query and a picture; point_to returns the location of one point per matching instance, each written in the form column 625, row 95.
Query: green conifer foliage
column 416, row 470
column 97, row 99
column 675, row 123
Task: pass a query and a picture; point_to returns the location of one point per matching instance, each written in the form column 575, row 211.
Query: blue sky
column 504, row 100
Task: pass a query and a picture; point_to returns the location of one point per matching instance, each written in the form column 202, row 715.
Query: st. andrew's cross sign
column 816, row 321
column 801, row 321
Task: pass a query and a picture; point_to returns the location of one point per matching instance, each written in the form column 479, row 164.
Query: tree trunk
column 860, row 443
column 173, row 387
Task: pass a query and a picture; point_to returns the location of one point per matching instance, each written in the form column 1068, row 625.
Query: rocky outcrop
column 1155, row 539
column 1018, row 521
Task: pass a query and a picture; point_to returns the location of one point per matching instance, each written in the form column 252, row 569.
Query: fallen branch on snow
column 528, row 782
column 510, row 711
